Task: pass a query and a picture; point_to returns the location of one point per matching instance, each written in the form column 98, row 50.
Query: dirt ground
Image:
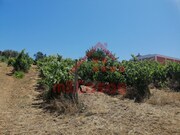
column 104, row 115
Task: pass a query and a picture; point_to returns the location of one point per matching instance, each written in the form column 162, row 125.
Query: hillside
column 20, row 113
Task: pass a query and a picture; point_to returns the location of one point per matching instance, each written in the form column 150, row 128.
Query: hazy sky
column 70, row 27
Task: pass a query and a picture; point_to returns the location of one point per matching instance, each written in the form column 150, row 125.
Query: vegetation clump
column 18, row 74
column 22, row 62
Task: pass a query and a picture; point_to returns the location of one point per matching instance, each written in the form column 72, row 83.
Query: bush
column 109, row 73
column 55, row 70
column 9, row 53
column 138, row 76
column 3, row 59
column 85, row 71
column 97, row 54
column 22, row 62
column 173, row 75
column 159, row 74
column 18, row 74
column 11, row 61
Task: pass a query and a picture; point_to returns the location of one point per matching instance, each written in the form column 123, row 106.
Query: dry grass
column 62, row 106
column 162, row 97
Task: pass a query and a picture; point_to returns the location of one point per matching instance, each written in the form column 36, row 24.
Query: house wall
column 160, row 59
column 178, row 61
column 163, row 59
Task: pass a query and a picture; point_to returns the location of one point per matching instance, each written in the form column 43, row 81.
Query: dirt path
column 16, row 97
column 104, row 114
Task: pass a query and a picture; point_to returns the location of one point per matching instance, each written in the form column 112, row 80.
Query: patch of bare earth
column 104, row 115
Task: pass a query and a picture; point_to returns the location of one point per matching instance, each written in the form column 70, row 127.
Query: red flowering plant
column 103, row 68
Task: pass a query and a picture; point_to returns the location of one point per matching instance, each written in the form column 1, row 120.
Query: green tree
column 39, row 55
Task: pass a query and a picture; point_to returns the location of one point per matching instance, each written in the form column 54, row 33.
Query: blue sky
column 70, row 27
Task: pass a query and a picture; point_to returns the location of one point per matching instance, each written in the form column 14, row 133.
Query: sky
column 70, row 27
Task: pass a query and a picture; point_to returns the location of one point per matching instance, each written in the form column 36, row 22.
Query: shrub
column 97, row 54
column 11, row 61
column 100, row 54
column 22, row 62
column 159, row 74
column 3, row 59
column 18, row 74
column 85, row 71
column 55, row 70
column 173, row 75
column 103, row 72
column 9, row 53
column 138, row 76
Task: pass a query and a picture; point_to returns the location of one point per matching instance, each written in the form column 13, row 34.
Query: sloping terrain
column 103, row 114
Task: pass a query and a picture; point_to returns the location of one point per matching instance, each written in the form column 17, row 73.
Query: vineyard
column 130, row 78
column 64, row 83
column 99, row 67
